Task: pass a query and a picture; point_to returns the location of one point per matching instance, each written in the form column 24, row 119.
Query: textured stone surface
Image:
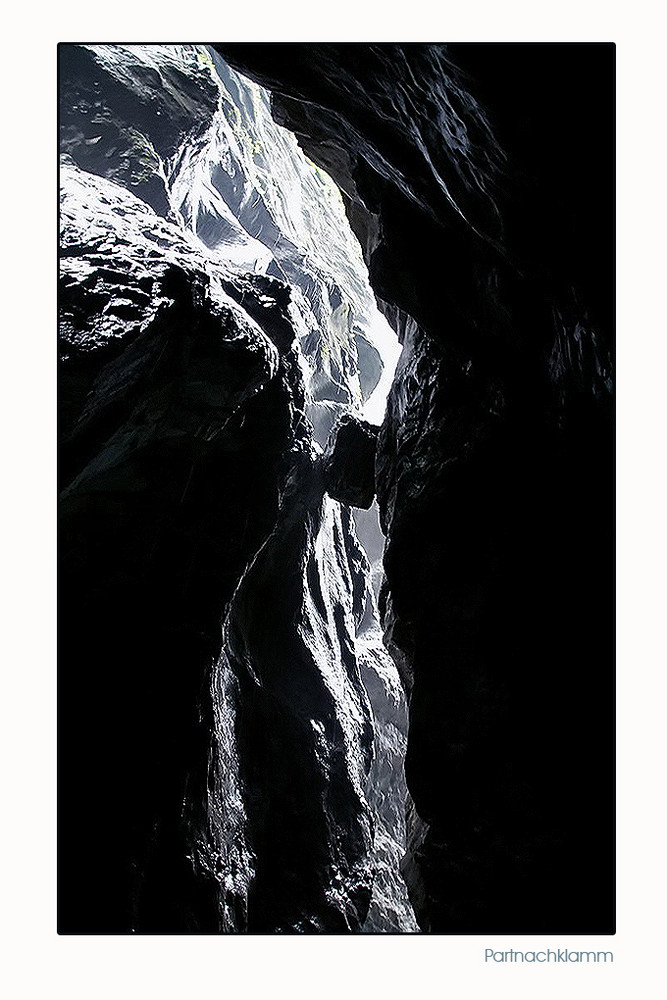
column 181, row 418
column 305, row 733
column 216, row 735
column 390, row 908
column 479, row 179
column 176, row 126
column 125, row 110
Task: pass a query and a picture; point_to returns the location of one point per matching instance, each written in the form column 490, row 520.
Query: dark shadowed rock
column 180, row 419
column 305, row 731
column 349, row 461
column 231, row 726
column 216, row 735
column 480, row 181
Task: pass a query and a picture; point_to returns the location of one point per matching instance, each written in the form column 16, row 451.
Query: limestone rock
column 213, row 707
column 480, row 181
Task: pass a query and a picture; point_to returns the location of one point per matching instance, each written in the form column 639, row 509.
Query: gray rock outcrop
column 214, row 700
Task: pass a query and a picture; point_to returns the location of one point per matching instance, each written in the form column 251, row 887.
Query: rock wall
column 216, row 733
column 479, row 180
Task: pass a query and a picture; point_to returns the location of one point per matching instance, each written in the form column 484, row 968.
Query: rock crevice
column 216, row 732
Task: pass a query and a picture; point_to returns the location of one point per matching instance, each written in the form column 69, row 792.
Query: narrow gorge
column 336, row 489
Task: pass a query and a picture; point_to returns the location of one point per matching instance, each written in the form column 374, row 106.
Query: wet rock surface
column 176, row 440
column 305, row 732
column 390, row 908
column 216, row 733
column 479, row 180
column 122, row 115
column 230, row 723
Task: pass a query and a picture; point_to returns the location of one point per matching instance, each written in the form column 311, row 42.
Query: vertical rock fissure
column 218, row 330
column 480, row 182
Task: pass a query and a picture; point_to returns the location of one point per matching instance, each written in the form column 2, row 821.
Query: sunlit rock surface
column 179, row 429
column 222, row 766
column 178, row 127
column 479, row 179
column 306, row 740
column 390, row 908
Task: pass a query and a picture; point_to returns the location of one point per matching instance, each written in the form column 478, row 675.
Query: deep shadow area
column 221, row 765
column 480, row 181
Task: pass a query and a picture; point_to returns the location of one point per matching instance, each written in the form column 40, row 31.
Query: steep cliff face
column 217, row 739
column 479, row 180
column 232, row 726
column 180, row 428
